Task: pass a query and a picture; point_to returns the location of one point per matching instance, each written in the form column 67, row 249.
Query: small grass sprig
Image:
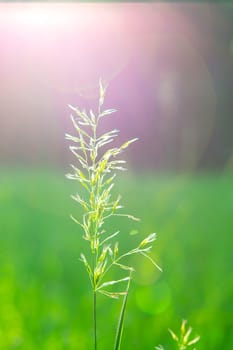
column 96, row 172
column 183, row 341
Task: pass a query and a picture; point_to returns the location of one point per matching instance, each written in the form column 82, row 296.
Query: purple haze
column 156, row 57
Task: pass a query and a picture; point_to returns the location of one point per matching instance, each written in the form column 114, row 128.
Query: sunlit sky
column 156, row 57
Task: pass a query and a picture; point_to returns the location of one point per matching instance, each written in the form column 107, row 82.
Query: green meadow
column 45, row 300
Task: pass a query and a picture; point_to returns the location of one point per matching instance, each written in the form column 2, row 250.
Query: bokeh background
column 170, row 72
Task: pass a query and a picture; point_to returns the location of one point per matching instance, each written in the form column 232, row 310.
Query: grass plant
column 183, row 340
column 95, row 171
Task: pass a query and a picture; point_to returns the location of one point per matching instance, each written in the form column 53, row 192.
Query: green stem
column 95, row 320
column 94, row 237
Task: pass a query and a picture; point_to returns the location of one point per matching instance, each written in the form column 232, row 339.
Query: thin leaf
column 111, row 294
column 126, row 144
column 81, row 114
column 151, row 260
column 78, row 199
column 131, row 217
column 93, row 117
column 83, row 123
column 76, row 221
column 194, row 341
column 102, row 91
column 110, row 283
column 77, row 127
column 149, row 239
column 109, row 180
column 124, row 267
column 187, row 334
column 80, row 158
column 107, row 112
column 121, row 318
column 104, row 142
column 72, row 138
column 174, row 336
column 109, row 134
column 84, row 260
column 109, row 237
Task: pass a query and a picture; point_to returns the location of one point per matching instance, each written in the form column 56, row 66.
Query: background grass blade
column 121, row 318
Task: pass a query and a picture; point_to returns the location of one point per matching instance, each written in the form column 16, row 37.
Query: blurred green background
column 170, row 74
column 44, row 291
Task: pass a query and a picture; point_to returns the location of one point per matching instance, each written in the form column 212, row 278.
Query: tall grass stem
column 95, row 320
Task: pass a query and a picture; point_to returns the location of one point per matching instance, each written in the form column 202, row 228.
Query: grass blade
column 121, row 318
